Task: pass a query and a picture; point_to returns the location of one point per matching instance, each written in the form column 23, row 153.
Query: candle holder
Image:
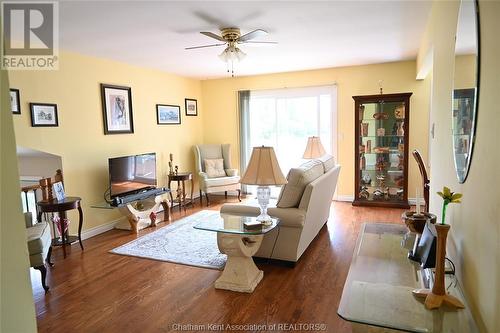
column 416, row 223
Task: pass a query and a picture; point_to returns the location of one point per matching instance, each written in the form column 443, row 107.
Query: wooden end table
column 181, row 178
column 61, row 207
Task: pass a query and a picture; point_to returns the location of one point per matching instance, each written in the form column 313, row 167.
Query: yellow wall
column 17, row 311
column 220, row 105
column 465, row 72
column 474, row 241
column 80, row 138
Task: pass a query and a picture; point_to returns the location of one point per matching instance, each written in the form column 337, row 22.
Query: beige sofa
column 300, row 223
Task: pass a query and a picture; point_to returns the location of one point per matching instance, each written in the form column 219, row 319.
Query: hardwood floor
column 95, row 291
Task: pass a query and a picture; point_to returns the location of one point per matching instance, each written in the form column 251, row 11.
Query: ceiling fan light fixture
column 232, row 54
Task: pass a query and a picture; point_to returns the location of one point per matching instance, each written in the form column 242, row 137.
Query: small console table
column 378, row 289
column 141, row 213
column 181, row 178
column 61, row 207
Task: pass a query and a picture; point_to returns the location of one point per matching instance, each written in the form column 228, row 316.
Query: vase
column 364, row 129
column 400, row 131
column 437, row 296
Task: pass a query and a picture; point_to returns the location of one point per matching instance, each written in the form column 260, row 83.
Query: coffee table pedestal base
column 240, row 273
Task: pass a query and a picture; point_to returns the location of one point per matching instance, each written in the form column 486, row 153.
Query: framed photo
column 15, row 105
column 117, row 109
column 44, row 115
column 191, row 107
column 58, row 190
column 168, row 114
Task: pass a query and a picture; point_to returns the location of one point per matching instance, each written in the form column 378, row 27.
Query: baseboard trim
column 350, row 198
column 101, row 228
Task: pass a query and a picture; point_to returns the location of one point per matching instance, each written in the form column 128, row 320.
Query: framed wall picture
column 15, row 105
column 168, row 114
column 191, row 107
column 44, row 115
column 58, row 190
column 117, row 109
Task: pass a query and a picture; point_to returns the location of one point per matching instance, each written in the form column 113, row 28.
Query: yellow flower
column 450, row 197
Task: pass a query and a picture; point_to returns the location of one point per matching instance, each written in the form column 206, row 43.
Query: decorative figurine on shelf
column 380, row 164
column 364, row 129
column 361, row 111
column 401, row 161
column 170, row 164
column 368, row 146
column 364, row 194
column 380, row 131
column 380, row 86
column 362, row 162
column 437, row 296
column 401, row 130
column 176, row 172
column 381, row 116
column 381, row 179
column 366, row 179
column 399, row 112
column 378, row 195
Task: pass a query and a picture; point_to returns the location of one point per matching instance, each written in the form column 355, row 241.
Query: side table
column 61, row 207
column 240, row 244
column 181, row 179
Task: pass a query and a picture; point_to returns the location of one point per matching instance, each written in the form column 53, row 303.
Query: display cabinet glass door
column 382, row 152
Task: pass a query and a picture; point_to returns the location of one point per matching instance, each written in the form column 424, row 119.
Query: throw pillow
column 215, row 168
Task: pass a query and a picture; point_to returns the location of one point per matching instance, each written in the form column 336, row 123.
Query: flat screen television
column 132, row 174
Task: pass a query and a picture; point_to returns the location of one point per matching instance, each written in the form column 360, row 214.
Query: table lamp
column 314, row 148
column 263, row 170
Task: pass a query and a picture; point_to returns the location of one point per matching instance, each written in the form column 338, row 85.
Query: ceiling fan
column 231, row 38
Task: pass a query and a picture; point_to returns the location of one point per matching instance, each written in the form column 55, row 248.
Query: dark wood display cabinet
column 381, row 150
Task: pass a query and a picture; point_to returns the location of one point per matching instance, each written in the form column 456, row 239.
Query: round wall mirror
column 466, row 86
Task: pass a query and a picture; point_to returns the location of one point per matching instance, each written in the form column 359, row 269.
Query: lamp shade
column 314, row 148
column 263, row 168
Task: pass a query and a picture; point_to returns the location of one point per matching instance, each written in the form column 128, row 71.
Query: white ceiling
column 311, row 34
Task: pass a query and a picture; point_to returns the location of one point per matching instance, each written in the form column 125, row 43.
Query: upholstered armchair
column 229, row 180
column 39, row 245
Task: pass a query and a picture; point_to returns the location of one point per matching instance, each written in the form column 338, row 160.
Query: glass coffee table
column 378, row 289
column 240, row 244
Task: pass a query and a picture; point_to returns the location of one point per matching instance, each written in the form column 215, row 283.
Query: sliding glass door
column 284, row 119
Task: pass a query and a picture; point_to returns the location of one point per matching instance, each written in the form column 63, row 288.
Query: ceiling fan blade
column 212, row 35
column 204, row 46
column 257, row 42
column 252, row 35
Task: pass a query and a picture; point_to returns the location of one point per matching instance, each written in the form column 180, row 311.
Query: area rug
column 179, row 243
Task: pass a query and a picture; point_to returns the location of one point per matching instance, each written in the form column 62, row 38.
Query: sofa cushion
column 215, row 168
column 38, row 237
column 298, row 178
column 328, row 162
